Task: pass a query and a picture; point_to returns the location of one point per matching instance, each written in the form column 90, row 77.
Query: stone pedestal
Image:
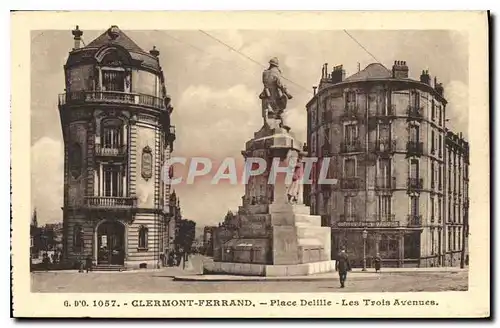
column 273, row 237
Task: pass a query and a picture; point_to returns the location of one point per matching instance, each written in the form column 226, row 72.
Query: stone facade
column 385, row 137
column 115, row 116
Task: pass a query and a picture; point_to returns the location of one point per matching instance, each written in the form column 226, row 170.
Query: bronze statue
column 275, row 95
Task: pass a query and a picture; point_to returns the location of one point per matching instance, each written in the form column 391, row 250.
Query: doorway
column 111, row 243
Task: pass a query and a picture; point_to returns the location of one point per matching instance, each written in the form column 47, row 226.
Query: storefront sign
column 368, row 224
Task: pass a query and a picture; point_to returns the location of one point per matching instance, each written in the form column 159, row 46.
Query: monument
column 274, row 233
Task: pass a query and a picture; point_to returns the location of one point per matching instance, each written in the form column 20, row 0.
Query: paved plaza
column 164, row 281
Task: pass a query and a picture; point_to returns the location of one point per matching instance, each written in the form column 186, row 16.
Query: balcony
column 350, row 147
column 415, row 113
column 383, row 146
column 350, row 183
column 415, row 148
column 351, row 113
column 415, row 183
column 103, row 151
column 352, row 222
column 414, row 221
column 110, row 97
column 385, row 217
column 385, row 183
column 110, row 203
column 348, row 218
column 382, row 113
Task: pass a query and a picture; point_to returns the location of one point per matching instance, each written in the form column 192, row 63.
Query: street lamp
column 365, row 234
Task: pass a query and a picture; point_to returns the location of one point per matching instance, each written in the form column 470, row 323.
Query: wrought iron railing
column 101, row 150
column 79, row 97
column 414, row 220
column 385, row 183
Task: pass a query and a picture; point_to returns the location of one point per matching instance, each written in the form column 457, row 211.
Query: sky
column 215, row 90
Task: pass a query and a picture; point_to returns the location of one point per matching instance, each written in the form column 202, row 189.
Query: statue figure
column 275, row 95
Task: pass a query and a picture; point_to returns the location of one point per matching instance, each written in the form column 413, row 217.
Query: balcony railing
column 348, row 217
column 415, row 183
column 112, row 97
column 385, row 217
column 414, row 112
column 383, row 146
column 350, row 183
column 116, row 151
column 385, row 183
column 415, row 148
column 383, row 112
column 351, row 112
column 98, row 202
column 351, row 147
column 414, row 220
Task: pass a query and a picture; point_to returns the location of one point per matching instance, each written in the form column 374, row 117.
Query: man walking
column 343, row 266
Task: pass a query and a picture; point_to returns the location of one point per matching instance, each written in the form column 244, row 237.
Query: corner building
column 384, row 134
column 115, row 117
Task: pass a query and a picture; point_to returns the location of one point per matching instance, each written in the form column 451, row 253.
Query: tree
column 185, row 237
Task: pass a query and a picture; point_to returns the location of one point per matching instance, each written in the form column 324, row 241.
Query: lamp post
column 365, row 234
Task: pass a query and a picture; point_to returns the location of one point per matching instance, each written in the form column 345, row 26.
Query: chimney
column 425, row 77
column 314, row 90
column 438, row 87
column 400, row 70
column 338, row 74
column 154, row 52
column 324, row 71
column 77, row 34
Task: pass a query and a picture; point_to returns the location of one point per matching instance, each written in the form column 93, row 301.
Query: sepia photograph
column 246, row 161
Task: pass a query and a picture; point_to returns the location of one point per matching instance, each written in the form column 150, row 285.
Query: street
column 161, row 281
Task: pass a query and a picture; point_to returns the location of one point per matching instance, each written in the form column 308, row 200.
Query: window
column 112, row 181
column 414, row 206
column 112, row 133
column 385, row 172
column 440, row 146
column 143, row 237
column 384, row 205
column 350, row 133
column 449, row 210
column 78, row 238
column 454, row 238
column 384, row 243
column 440, row 115
column 440, row 208
column 459, row 246
column 414, row 169
column 433, row 146
column 348, row 209
column 433, row 115
column 350, row 168
column 433, row 173
column 449, row 239
column 440, row 177
column 414, row 133
column 433, row 246
column 432, row 209
column 350, row 99
column 113, row 80
column 415, row 99
column 384, row 132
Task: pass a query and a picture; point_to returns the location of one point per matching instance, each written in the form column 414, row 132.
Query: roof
column 113, row 36
column 372, row 71
column 120, row 39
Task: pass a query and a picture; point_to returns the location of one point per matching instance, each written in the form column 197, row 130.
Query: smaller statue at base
column 295, row 189
column 275, row 94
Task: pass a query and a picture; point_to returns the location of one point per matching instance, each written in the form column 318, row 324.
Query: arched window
column 78, row 238
column 143, row 237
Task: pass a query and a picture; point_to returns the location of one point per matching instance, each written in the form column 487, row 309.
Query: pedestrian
column 378, row 262
column 88, row 263
column 343, row 266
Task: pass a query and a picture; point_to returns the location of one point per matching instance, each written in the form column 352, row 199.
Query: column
column 94, row 248
column 101, row 174
column 96, row 183
column 99, row 87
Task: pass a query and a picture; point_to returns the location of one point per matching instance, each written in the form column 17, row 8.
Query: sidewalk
column 354, row 274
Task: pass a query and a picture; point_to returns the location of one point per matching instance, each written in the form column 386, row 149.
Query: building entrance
column 111, row 243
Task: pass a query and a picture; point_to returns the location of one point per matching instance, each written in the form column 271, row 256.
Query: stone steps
column 307, row 220
column 308, row 242
column 309, row 232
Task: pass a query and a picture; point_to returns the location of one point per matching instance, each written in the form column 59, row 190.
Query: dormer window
column 113, row 80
